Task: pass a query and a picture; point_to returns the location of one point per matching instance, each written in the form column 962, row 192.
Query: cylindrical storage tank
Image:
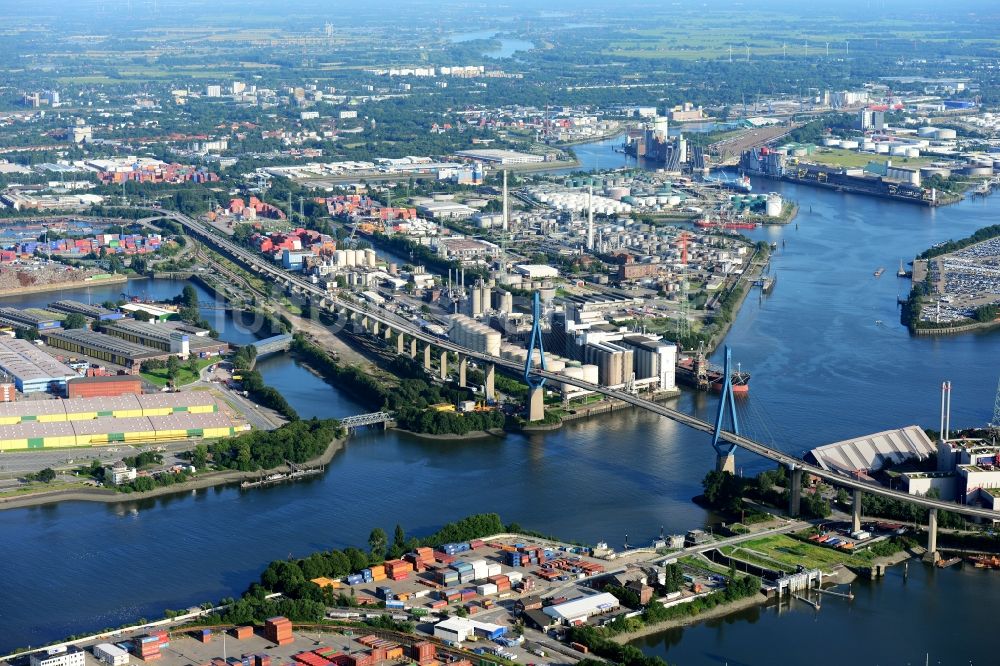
column 978, row 171
column 898, row 150
column 882, row 149
column 371, row 259
column 477, row 302
column 849, row 144
column 554, row 365
column 591, row 374
column 442, row 197
column 573, row 372
column 945, row 134
column 617, row 193
column 773, row 206
column 912, row 152
column 352, row 257
column 831, row 142
column 927, row 131
column 868, row 146
column 393, row 268
column 340, row 258
column 493, row 343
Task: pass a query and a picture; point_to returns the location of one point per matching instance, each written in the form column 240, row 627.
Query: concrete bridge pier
column 413, row 347
column 536, row 404
column 726, row 462
column 400, row 342
column 856, row 511
column 491, row 373
column 388, row 334
column 427, row 356
column 375, row 328
column 463, row 367
column 364, row 322
column 444, row 366
column 794, row 491
column 932, row 554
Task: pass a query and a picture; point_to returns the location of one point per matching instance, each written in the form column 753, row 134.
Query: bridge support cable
column 536, row 384
column 724, row 451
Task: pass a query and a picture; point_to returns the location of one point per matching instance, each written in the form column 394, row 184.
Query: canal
column 829, row 360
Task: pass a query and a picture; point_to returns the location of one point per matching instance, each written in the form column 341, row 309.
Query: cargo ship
column 697, row 372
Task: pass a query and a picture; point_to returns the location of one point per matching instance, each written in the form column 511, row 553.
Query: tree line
column 296, row 442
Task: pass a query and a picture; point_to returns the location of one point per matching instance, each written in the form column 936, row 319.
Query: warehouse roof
column 33, row 429
column 872, row 451
column 182, row 421
column 24, row 360
column 31, row 408
column 107, row 426
column 104, row 342
column 177, row 399
column 583, row 607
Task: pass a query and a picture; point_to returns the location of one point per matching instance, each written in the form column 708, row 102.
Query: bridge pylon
column 725, row 460
column 536, row 392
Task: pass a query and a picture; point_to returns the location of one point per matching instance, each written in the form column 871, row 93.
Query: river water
column 829, row 361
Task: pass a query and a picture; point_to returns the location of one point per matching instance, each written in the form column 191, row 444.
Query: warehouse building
column 156, row 312
column 167, row 337
column 118, row 407
column 96, row 312
column 28, row 320
column 580, row 610
column 459, row 629
column 102, row 431
column 32, row 369
column 499, row 156
column 8, row 391
column 108, row 386
column 112, row 655
column 106, row 348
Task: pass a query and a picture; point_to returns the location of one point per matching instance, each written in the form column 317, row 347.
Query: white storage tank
column 868, row 146
column 928, row 132
column 912, row 152
column 340, row 258
column 898, row 150
column 849, row 144
column 371, row 259
column 945, row 134
column 882, row 149
column 352, row 257
column 773, row 206
column 591, row 374
column 831, row 142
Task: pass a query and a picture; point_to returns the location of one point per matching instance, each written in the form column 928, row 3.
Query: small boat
column 879, row 271
column 902, row 271
column 985, row 561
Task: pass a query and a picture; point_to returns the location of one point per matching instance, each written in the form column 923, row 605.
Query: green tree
column 377, row 542
column 399, row 537
column 75, row 320
column 199, row 457
column 141, row 315
column 173, row 367
column 46, row 475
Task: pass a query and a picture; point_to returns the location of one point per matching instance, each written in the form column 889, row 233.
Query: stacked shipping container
column 278, row 630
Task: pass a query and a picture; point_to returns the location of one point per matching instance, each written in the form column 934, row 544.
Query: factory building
column 153, row 336
column 498, row 156
column 652, row 360
column 28, row 320
column 469, row 333
column 613, row 361
column 174, row 337
column 108, row 387
column 108, row 348
column 96, row 312
column 32, row 369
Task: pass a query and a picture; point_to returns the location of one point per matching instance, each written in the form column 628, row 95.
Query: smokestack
column 506, row 214
column 590, row 217
column 947, row 414
column 461, row 283
column 944, row 386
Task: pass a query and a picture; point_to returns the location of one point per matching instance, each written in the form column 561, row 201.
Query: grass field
column 184, row 375
column 850, row 159
column 788, row 553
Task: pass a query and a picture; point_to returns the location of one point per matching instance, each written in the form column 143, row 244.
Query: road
column 334, row 302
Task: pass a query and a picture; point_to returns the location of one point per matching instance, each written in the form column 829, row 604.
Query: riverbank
column 62, row 286
column 207, row 480
column 717, row 612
